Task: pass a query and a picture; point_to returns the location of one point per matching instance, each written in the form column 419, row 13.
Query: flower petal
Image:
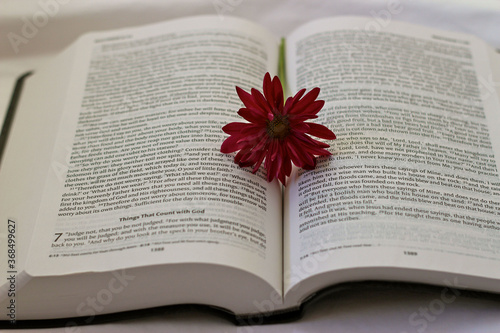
column 270, row 164
column 320, row 131
column 261, row 101
column 309, row 112
column 268, row 89
column 290, row 101
column 287, row 165
column 278, row 94
column 246, row 98
column 314, row 107
column 302, row 105
column 251, row 116
column 260, row 158
column 231, row 144
column 241, row 154
column 313, row 146
column 257, row 149
column 310, row 166
column 233, row 128
column 299, row 157
column 300, row 127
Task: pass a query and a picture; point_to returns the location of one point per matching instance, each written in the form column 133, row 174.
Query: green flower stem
column 282, row 68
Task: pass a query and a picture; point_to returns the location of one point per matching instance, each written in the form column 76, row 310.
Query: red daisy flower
column 277, row 132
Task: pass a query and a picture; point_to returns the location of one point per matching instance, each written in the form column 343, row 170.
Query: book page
column 413, row 181
column 137, row 177
column 29, row 144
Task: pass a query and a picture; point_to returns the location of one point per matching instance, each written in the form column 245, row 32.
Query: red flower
column 277, row 132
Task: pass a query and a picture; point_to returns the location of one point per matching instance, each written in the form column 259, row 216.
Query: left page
column 136, row 176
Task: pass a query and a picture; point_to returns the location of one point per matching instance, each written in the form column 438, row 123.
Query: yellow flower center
column 278, row 128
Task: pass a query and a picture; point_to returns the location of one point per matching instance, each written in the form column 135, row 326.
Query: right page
column 412, row 191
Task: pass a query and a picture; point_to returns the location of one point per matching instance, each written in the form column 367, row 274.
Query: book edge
column 274, row 317
column 11, row 110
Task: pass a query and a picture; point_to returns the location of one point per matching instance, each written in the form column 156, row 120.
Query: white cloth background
column 378, row 311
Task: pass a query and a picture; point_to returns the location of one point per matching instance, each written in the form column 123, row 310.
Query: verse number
column 58, row 235
column 410, row 253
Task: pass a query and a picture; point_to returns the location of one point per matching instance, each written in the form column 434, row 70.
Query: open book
column 114, row 194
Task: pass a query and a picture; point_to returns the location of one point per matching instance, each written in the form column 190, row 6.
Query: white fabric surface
column 378, row 311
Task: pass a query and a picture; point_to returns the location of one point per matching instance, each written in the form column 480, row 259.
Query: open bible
column 114, row 195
